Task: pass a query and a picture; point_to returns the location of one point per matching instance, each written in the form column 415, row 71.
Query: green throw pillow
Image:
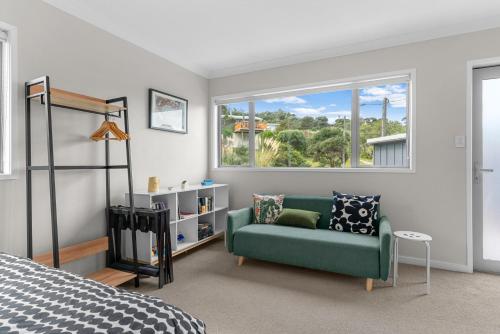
column 298, row 218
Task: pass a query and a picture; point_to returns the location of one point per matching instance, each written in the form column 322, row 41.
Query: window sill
column 316, row 170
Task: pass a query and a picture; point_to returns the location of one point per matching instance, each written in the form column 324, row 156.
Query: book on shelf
column 205, row 230
column 205, row 204
column 185, row 215
column 159, row 205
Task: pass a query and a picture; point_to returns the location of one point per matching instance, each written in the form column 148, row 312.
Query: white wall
column 81, row 58
column 432, row 200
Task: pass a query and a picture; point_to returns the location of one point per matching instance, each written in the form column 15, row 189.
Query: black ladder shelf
column 40, row 89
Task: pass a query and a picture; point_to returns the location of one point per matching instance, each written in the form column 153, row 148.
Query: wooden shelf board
column 74, row 252
column 65, row 99
column 111, row 276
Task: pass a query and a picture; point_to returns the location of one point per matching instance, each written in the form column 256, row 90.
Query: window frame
column 8, row 102
column 354, row 84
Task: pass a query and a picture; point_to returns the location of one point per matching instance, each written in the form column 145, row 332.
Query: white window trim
column 9, row 107
column 325, row 86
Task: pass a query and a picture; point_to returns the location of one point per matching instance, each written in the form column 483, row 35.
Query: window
column 5, row 105
column 234, row 134
column 361, row 124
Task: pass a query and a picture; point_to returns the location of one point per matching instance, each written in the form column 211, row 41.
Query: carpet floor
column 262, row 297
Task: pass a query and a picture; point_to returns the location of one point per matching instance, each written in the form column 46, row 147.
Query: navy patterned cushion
column 354, row 213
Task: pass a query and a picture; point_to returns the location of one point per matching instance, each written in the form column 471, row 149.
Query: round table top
column 410, row 235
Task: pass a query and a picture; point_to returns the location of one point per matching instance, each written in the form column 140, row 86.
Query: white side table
column 414, row 236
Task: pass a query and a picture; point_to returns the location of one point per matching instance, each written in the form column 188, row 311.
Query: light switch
column 459, row 141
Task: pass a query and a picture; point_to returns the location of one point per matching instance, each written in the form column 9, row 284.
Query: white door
column 486, row 169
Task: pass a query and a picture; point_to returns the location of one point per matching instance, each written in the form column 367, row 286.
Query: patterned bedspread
column 38, row 299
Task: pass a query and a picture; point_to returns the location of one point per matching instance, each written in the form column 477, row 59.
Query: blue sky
column 337, row 104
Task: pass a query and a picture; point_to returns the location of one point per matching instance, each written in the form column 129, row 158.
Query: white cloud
column 376, row 91
column 398, row 100
column 339, row 113
column 397, row 89
column 371, row 98
column 395, row 93
column 288, row 99
column 395, row 100
column 309, row 111
column 332, row 105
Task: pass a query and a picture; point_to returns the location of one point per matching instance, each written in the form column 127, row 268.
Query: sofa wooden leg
column 369, row 284
column 241, row 259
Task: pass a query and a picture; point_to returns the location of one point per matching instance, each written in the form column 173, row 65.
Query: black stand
column 145, row 220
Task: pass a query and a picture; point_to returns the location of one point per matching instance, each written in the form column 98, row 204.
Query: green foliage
column 235, row 156
column 321, row 122
column 289, row 157
column 266, row 151
column 227, row 130
column 329, row 147
column 232, row 111
column 289, row 123
column 295, row 138
column 275, row 116
column 302, row 142
column 285, row 119
column 343, row 124
column 267, row 134
column 307, row 123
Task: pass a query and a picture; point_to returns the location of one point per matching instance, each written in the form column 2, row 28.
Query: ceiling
column 224, row 37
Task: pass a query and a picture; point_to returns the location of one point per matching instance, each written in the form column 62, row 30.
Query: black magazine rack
column 145, row 220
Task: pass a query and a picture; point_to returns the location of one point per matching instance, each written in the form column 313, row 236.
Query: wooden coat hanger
column 109, row 127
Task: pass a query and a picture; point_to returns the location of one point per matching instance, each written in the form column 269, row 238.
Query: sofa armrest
column 385, row 237
column 236, row 219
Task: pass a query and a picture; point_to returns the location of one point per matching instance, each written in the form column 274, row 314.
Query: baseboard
column 435, row 264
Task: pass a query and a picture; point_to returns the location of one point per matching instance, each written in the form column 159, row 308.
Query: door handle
column 486, row 170
column 477, row 171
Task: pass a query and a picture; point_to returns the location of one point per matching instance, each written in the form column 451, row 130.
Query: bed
column 38, row 299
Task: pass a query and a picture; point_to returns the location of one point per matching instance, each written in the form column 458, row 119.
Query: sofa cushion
column 346, row 253
column 267, row 208
column 323, row 205
column 354, row 214
column 298, row 218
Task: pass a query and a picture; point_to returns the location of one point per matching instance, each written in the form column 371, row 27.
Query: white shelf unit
column 185, row 201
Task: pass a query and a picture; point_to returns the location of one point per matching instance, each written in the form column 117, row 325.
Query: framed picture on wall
column 167, row 112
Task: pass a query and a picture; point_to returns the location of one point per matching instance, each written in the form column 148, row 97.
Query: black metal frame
column 51, row 168
column 146, row 220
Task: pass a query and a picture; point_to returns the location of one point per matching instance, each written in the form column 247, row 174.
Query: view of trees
column 290, row 141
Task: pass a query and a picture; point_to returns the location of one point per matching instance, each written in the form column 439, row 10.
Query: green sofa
column 340, row 252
